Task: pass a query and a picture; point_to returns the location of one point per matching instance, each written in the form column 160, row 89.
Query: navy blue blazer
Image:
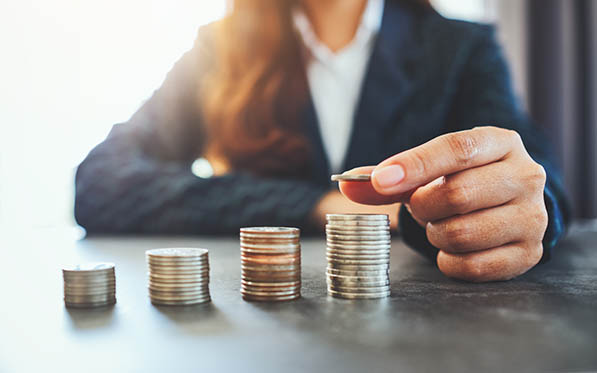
column 427, row 76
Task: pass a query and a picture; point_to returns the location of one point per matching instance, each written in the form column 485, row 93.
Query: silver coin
column 88, row 278
column 264, row 238
column 178, row 287
column 359, row 261
column 260, row 252
column 89, row 285
column 270, row 260
column 357, row 273
column 270, row 284
column 358, row 279
column 89, row 267
column 87, row 291
column 90, row 304
column 360, row 246
column 166, row 281
column 89, row 299
column 159, row 302
column 357, row 255
column 269, row 277
column 271, row 268
column 179, row 296
column 351, row 177
column 179, row 269
column 270, row 230
column 357, row 237
column 177, row 252
column 271, row 291
column 335, row 251
column 176, row 263
column 357, row 247
column 187, row 258
column 200, row 291
column 383, row 233
column 358, row 267
column 82, row 289
column 360, row 289
column 176, row 275
column 180, row 302
column 270, row 249
column 273, row 246
column 262, row 293
column 341, row 283
column 336, row 294
column 249, row 297
column 351, row 217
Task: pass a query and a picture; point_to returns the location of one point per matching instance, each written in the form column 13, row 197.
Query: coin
column 178, row 276
column 346, row 295
column 358, row 255
column 178, row 253
column 89, row 284
column 356, row 217
column 351, row 177
column 270, row 263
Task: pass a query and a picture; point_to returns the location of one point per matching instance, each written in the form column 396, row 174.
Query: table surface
column 544, row 320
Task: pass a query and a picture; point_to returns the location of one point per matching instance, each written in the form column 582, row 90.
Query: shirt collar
column 368, row 29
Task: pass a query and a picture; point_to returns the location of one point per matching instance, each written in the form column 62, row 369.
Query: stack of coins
column 89, row 285
column 178, row 276
column 270, row 263
column 358, row 256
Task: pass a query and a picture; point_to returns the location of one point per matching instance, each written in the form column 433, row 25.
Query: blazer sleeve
column 139, row 179
column 484, row 96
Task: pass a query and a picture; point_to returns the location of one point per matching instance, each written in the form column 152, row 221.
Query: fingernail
column 388, row 176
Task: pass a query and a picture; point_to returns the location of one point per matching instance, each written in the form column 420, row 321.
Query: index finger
column 444, row 155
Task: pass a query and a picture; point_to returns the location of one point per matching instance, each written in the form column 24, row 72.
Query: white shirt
column 335, row 79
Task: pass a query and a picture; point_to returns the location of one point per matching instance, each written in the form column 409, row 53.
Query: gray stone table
column 545, row 320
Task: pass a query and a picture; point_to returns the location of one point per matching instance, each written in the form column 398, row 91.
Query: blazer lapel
column 320, row 170
column 387, row 84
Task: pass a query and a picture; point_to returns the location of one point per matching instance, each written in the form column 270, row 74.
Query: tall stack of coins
column 178, row 276
column 358, row 256
column 270, row 263
column 89, row 285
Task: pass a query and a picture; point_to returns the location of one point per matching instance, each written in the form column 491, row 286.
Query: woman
column 280, row 94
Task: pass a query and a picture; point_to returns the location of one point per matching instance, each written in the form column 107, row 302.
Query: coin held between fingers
column 353, row 177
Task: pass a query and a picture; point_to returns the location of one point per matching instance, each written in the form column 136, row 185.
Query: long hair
column 257, row 89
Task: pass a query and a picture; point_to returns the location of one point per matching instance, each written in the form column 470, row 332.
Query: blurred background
column 70, row 69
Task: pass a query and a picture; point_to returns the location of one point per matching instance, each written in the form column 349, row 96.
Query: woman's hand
column 478, row 194
column 335, row 203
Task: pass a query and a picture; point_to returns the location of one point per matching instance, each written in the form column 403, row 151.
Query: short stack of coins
column 178, row 276
column 358, row 256
column 270, row 263
column 89, row 285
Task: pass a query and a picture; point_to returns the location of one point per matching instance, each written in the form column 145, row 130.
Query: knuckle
column 472, row 270
column 542, row 218
column 458, row 198
column 455, row 235
column 514, row 137
column 416, row 205
column 464, row 148
column 534, row 254
column 538, row 176
column 419, row 163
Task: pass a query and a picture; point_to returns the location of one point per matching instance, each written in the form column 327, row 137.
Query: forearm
column 123, row 192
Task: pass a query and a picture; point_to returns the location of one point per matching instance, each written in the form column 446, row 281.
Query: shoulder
column 450, row 46
column 455, row 38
